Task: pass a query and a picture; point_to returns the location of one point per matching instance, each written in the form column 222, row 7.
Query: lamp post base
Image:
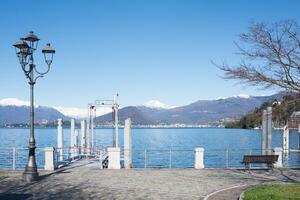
column 30, row 176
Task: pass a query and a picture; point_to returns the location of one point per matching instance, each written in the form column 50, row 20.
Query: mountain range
column 210, row 112
column 202, row 112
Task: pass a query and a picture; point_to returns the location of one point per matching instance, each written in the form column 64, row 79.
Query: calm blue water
column 158, row 143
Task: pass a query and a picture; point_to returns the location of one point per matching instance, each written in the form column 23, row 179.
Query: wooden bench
column 260, row 159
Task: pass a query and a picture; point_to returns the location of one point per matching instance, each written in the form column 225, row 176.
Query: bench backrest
column 260, row 158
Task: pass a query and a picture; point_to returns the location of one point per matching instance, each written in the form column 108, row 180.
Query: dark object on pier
column 260, row 159
column 105, row 163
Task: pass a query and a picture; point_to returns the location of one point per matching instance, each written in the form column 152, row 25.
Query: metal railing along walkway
column 213, row 158
column 16, row 158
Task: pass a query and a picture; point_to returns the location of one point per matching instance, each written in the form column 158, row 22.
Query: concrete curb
column 241, row 197
column 221, row 190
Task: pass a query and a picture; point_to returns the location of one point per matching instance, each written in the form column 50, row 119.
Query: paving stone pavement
column 84, row 180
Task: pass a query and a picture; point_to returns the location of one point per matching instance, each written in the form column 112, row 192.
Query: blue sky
column 144, row 49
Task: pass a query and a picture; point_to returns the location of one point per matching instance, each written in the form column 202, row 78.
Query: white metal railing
column 16, row 158
column 213, row 158
column 162, row 158
column 66, row 155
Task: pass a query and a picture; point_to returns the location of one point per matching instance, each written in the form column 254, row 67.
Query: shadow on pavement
column 15, row 196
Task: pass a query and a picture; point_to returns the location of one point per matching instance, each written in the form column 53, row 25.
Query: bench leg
column 247, row 167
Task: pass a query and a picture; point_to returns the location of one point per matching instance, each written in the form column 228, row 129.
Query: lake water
column 158, row 143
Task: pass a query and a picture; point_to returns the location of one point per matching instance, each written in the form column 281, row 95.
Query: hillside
column 20, row 114
column 282, row 110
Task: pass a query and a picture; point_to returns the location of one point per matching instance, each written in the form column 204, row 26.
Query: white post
column 72, row 138
column 127, row 144
column 264, row 133
column 278, row 151
column 92, row 128
column 285, row 139
column 116, row 136
column 87, row 140
column 199, row 158
column 14, row 158
column 60, row 139
column 299, row 136
column 269, row 130
column 83, row 136
column 76, row 143
column 49, row 158
column 114, row 158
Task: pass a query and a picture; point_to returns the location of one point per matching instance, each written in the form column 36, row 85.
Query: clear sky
column 144, row 49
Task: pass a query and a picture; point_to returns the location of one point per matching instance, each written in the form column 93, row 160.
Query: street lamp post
column 25, row 48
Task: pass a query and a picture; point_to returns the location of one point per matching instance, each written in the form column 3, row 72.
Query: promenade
column 84, row 180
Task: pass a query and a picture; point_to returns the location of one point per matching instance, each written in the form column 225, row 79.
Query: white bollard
column 92, row 130
column 49, row 158
column 127, row 144
column 199, row 158
column 60, row 139
column 264, row 133
column 285, row 139
column 114, row 158
column 269, row 130
column 72, row 138
column 278, row 151
column 76, row 143
column 87, row 139
column 299, row 136
column 82, row 136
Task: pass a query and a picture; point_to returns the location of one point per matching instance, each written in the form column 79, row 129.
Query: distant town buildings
column 294, row 120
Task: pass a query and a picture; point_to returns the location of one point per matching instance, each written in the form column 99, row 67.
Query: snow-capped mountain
column 200, row 112
column 157, row 105
column 16, row 111
column 14, row 102
column 242, row 96
column 81, row 112
column 153, row 112
column 72, row 112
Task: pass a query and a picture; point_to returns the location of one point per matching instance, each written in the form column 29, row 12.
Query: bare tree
column 270, row 56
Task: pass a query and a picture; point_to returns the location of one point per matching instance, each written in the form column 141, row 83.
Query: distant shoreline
column 145, row 127
column 121, row 127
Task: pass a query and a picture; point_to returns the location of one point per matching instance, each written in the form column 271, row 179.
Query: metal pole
column 145, row 155
column 30, row 174
column 116, row 136
column 88, row 134
column 92, row 127
column 26, row 47
column 100, row 159
column 60, row 139
column 14, row 158
column 226, row 157
column 250, row 152
column 170, row 159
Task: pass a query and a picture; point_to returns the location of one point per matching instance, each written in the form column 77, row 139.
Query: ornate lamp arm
column 42, row 73
column 27, row 72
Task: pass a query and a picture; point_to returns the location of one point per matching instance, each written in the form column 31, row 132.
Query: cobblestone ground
column 84, row 180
